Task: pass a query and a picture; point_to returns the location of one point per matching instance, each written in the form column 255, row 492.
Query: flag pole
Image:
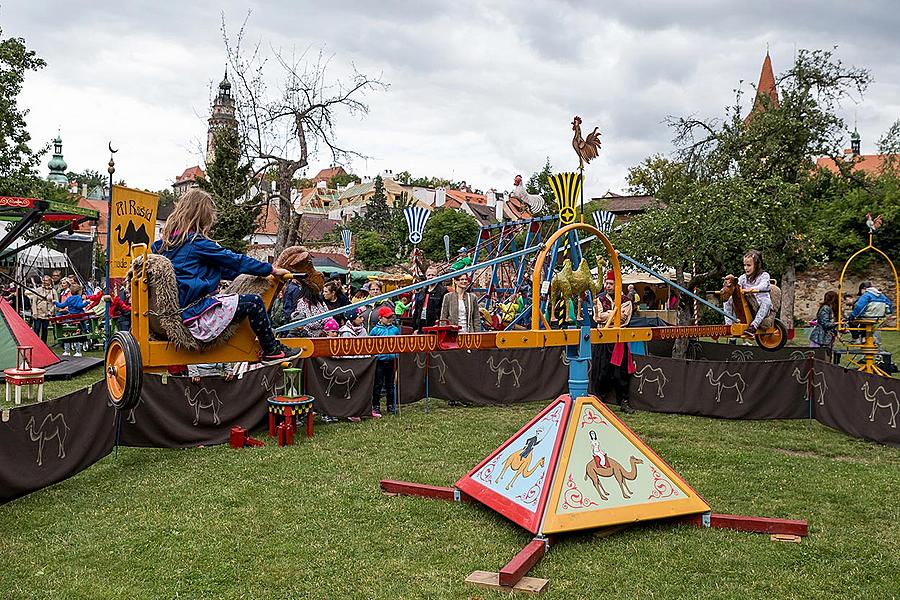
column 110, row 169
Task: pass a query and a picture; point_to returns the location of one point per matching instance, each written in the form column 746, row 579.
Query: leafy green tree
column 539, row 183
column 18, row 163
column 665, row 179
column 372, row 252
column 378, row 213
column 461, row 227
column 89, row 177
column 342, row 180
column 760, row 170
column 228, row 181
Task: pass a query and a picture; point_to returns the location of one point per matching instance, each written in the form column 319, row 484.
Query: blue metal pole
column 676, row 286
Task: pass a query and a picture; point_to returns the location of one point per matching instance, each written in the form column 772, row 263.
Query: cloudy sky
column 479, row 90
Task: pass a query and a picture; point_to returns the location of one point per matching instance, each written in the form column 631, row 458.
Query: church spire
column 766, row 92
column 57, row 164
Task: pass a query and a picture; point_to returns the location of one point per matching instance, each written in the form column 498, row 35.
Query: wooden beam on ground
column 522, row 563
column 487, row 579
column 437, row 492
column 753, row 524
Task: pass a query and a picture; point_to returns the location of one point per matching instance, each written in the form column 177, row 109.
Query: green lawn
column 309, row 521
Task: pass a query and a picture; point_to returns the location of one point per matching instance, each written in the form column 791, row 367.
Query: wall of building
column 814, row 282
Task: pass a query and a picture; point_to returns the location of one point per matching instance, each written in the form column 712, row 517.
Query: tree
column 90, row 178
column 665, row 179
column 228, row 181
column 339, row 181
column 378, row 213
column 281, row 132
column 461, row 227
column 167, row 198
column 372, row 252
column 18, row 163
column 760, row 170
column 539, row 183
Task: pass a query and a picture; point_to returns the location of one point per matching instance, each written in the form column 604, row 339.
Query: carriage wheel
column 774, row 338
column 124, row 373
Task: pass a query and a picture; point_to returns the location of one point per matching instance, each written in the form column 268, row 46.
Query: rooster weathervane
column 586, row 149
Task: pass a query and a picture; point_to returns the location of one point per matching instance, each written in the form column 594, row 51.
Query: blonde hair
column 194, row 214
column 75, row 289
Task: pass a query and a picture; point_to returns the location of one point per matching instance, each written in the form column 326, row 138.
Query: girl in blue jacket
column 201, row 264
column 74, row 304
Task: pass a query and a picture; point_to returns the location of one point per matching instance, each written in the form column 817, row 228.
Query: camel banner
column 342, row 387
column 45, row 443
column 132, row 221
column 770, row 390
column 739, row 352
column 861, row 405
column 498, row 376
column 175, row 412
column 412, row 370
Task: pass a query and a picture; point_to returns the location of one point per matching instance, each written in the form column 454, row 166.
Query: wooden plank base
column 488, row 579
column 522, row 562
column 406, row 488
column 752, row 524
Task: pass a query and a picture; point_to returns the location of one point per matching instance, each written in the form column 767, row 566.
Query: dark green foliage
column 372, row 251
column 342, row 180
column 18, row 163
column 228, row 182
column 539, row 183
column 461, row 227
column 378, row 213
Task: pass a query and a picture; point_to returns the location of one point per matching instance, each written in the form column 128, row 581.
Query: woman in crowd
column 333, row 297
column 823, row 334
column 460, row 307
column 309, row 304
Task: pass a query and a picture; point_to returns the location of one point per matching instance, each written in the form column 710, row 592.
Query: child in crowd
column 74, row 304
column 754, row 279
column 353, row 325
column 402, row 306
column 384, row 366
column 331, row 327
column 200, row 265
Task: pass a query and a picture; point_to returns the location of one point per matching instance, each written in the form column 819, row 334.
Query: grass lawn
column 309, row 521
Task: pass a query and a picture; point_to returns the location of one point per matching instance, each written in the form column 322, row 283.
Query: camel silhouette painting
column 132, row 236
column 505, row 367
column 881, row 398
column 651, row 374
column 339, row 376
column 727, row 380
column 53, row 426
column 613, row 469
column 818, row 383
column 434, row 361
column 520, row 461
column 210, row 400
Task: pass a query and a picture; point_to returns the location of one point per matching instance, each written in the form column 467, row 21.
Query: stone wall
column 814, row 282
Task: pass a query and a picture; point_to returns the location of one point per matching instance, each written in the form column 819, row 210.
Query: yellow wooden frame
column 692, row 503
column 853, row 256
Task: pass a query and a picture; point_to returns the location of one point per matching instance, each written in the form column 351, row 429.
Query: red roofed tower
column 766, row 92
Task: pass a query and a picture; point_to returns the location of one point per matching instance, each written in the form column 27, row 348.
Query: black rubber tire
column 134, row 371
column 784, row 338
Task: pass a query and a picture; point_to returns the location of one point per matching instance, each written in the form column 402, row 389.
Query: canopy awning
column 41, row 258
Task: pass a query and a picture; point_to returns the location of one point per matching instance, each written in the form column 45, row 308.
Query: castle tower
column 766, row 92
column 222, row 116
column 58, row 165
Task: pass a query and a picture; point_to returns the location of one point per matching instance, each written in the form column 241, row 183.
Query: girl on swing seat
column 200, row 264
column 754, row 279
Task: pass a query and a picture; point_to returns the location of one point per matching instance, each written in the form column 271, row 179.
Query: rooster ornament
column 587, row 149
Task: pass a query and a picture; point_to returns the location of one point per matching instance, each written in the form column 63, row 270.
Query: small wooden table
column 287, row 410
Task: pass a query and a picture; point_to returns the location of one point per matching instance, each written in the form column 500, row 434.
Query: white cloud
column 479, row 91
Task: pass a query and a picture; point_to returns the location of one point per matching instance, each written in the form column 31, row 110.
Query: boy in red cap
column 384, row 366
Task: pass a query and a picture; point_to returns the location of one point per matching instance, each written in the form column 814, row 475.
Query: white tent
column 39, row 257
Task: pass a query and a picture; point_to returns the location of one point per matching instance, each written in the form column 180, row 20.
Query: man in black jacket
column 427, row 305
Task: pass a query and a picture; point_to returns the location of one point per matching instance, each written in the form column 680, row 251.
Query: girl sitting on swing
column 755, row 280
column 200, row 264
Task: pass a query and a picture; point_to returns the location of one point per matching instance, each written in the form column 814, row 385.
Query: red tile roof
column 340, row 259
column 469, row 197
column 190, row 174
column 626, row 204
column 327, row 174
column 871, row 164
